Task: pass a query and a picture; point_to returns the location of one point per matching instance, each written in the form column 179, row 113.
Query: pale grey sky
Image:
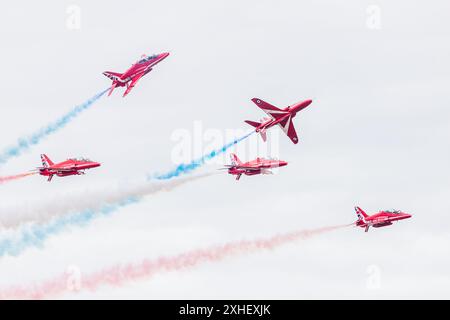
column 375, row 136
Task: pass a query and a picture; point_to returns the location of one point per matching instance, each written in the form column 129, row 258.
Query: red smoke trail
column 15, row 177
column 121, row 273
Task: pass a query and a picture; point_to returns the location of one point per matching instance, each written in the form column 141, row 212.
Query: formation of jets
column 128, row 79
column 282, row 118
column 259, row 166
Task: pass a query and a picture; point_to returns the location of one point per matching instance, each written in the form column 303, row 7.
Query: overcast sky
column 376, row 135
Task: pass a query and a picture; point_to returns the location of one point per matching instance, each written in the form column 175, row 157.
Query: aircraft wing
column 249, row 167
column 65, row 169
column 62, row 169
column 382, row 220
column 242, row 167
column 57, row 169
column 269, row 109
column 288, row 127
column 133, row 83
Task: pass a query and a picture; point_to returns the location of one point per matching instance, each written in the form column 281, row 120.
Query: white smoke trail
column 92, row 200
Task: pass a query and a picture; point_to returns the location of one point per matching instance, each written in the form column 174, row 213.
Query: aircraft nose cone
column 96, row 164
column 282, row 163
column 164, row 55
column 300, row 105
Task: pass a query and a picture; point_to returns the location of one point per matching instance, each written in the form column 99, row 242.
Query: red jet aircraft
column 251, row 168
column 281, row 117
column 69, row 167
column 130, row 77
column 381, row 219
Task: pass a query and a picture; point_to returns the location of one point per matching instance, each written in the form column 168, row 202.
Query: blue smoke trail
column 25, row 143
column 188, row 167
column 36, row 234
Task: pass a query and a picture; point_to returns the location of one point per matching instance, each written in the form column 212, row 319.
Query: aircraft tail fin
column 235, row 160
column 46, row 162
column 360, row 213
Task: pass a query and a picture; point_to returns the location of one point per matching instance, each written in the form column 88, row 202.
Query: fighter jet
column 251, row 168
column 139, row 69
column 281, row 117
column 381, row 219
column 69, row 167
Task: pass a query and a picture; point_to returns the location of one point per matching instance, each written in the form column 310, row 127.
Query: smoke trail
column 25, row 143
column 90, row 204
column 97, row 199
column 188, row 167
column 120, row 274
column 34, row 235
column 15, row 177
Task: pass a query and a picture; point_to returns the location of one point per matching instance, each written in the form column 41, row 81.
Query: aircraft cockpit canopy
column 145, row 59
column 394, row 211
column 80, row 159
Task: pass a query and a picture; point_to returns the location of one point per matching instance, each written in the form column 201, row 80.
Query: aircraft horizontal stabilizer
column 253, row 123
